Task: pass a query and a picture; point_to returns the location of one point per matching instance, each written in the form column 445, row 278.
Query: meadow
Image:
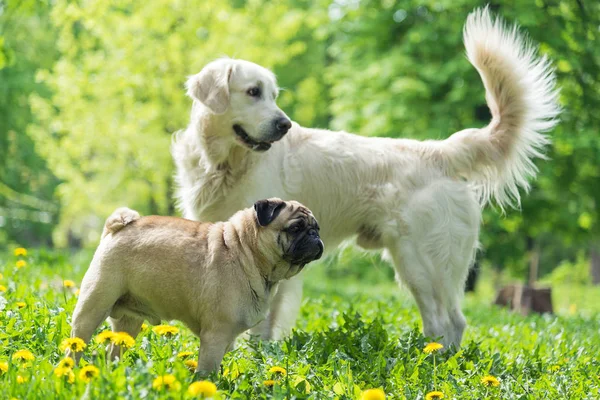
column 90, row 95
column 357, row 331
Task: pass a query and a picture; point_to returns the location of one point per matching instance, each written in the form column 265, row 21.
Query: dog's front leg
column 213, row 346
column 283, row 311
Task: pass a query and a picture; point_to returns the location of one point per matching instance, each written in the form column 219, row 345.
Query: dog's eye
column 253, row 92
column 296, row 227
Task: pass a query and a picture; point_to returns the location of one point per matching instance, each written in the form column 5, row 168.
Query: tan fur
column 217, row 278
column 119, row 219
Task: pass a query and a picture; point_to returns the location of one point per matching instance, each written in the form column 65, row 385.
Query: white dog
column 421, row 201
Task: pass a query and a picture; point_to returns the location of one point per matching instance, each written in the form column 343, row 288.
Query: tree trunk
column 534, row 260
column 472, row 277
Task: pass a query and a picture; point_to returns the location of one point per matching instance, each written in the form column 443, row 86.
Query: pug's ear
column 211, row 86
column 268, row 210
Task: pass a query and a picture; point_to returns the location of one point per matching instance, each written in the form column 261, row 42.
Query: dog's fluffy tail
column 521, row 95
column 119, row 219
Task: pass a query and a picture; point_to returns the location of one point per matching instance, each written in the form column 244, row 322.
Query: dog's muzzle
column 249, row 142
column 280, row 127
column 306, row 248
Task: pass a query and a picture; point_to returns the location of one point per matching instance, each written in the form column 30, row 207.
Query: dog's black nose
column 283, row 125
column 321, row 248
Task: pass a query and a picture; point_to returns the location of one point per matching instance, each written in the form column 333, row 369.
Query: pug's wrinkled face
column 295, row 233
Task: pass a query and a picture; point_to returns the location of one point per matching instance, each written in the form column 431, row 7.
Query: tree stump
column 525, row 299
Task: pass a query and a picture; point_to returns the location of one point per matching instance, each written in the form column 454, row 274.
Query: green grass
column 356, row 331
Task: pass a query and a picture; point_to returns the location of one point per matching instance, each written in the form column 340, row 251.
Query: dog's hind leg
column 125, row 323
column 97, row 296
column 92, row 308
column 433, row 257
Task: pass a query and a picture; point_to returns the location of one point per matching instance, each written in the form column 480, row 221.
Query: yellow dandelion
column 68, row 283
column 490, row 381
column 21, row 304
column 434, row 395
column 122, row 339
column 21, row 379
column 165, row 330
column 20, row 264
column 3, row 367
column 191, row 364
column 88, row 373
column 205, row 389
column 373, row 394
column 23, row 356
column 66, row 362
column 77, row 292
column 144, row 326
column 20, row 251
column 66, row 373
column 2, row 288
column 71, row 376
column 74, row 344
column 184, row 354
column 278, row 371
column 104, row 337
column 432, row 347
column 167, row 382
column 269, row 382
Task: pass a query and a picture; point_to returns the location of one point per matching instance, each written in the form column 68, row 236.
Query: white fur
column 421, row 201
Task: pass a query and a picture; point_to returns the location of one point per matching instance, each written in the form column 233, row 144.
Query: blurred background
column 91, row 92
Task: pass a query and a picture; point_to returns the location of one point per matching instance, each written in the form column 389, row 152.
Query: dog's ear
column 211, row 86
column 268, row 210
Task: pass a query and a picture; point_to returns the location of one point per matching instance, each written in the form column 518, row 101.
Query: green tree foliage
column 374, row 67
column 118, row 92
column 400, row 71
column 563, row 210
column 27, row 204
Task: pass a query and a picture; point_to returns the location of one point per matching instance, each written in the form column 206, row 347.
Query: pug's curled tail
column 119, row 219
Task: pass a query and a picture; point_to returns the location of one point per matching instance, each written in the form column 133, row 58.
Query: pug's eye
column 296, row 227
column 253, row 92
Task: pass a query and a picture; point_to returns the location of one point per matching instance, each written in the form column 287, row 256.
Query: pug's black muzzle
column 305, row 248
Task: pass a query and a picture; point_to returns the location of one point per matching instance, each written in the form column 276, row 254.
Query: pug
column 217, row 278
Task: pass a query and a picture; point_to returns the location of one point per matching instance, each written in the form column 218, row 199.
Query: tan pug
column 217, row 278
